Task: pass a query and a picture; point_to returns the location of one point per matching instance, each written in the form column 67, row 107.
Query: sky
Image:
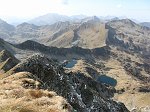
column 28, row 9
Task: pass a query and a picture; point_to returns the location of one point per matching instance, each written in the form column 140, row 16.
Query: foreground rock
column 83, row 93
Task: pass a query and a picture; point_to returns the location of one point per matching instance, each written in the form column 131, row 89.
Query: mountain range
column 82, row 64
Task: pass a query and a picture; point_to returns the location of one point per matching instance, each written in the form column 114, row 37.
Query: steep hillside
column 111, row 55
column 5, row 27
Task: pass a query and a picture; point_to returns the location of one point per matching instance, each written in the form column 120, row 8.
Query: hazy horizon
column 24, row 10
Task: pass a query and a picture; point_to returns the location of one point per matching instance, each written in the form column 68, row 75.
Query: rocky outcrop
column 83, row 93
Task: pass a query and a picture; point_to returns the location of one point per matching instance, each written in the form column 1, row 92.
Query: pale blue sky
column 137, row 9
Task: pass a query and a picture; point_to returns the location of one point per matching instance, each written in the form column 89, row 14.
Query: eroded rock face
column 83, row 93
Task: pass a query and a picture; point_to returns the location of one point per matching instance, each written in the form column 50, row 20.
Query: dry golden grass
column 39, row 93
column 15, row 98
column 1, row 74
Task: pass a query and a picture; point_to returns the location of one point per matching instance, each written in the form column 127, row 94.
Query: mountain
column 28, row 85
column 91, row 18
column 129, row 42
column 113, row 56
column 4, row 26
column 131, row 35
column 6, row 46
column 90, row 34
column 147, row 24
column 26, row 27
column 49, row 19
column 83, row 93
column 52, row 18
column 115, row 61
column 64, row 53
column 6, row 30
column 77, row 17
column 64, row 34
column 132, row 66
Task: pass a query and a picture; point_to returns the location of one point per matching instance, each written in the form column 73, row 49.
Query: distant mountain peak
column 91, row 18
column 125, row 22
column 25, row 24
column 49, row 19
column 4, row 26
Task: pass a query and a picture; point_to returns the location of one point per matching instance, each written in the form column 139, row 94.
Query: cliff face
column 83, row 93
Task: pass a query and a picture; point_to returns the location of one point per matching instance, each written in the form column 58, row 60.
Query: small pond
column 107, row 80
column 71, row 63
